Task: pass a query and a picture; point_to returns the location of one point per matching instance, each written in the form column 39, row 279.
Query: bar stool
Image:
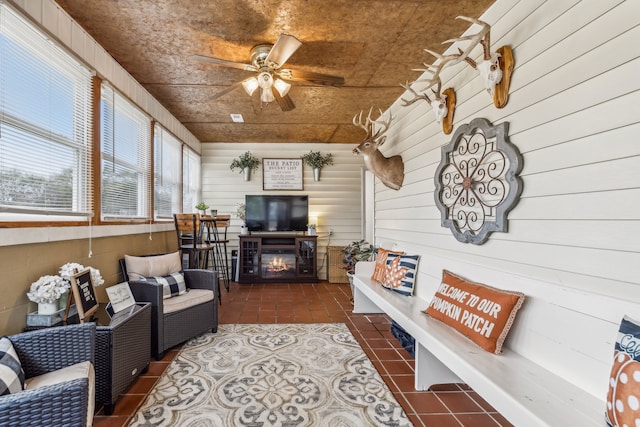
column 189, row 232
column 217, row 237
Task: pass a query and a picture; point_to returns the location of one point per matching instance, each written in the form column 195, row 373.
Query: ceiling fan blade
column 225, row 91
column 223, row 62
column 285, row 102
column 282, row 50
column 311, row 77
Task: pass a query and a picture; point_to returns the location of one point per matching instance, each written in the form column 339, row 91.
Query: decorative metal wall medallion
column 477, row 181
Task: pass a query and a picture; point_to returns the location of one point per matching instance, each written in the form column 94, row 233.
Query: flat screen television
column 277, row 212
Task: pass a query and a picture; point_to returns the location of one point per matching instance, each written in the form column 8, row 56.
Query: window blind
column 167, row 166
column 125, row 141
column 45, row 126
column 191, row 179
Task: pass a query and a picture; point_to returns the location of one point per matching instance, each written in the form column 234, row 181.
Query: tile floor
column 446, row 405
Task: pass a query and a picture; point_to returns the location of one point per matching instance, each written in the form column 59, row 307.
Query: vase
column 62, row 302
column 311, row 231
column 316, row 174
column 247, row 173
column 244, row 230
column 47, row 307
column 350, row 276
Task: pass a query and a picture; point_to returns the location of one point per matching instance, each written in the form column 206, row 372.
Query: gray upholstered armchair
column 60, row 381
column 178, row 318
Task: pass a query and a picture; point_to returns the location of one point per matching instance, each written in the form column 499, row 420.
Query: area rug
column 276, row 375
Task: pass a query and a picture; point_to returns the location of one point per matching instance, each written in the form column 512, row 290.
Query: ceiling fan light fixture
column 265, row 80
column 250, row 85
column 266, row 95
column 282, row 87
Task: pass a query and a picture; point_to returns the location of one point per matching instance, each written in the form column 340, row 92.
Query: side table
column 122, row 351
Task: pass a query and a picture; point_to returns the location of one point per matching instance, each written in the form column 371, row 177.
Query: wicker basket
column 337, row 274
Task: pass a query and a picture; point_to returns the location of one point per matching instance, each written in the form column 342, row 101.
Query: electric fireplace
column 278, row 263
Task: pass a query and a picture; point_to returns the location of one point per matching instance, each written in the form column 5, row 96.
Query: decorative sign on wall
column 477, row 181
column 282, row 174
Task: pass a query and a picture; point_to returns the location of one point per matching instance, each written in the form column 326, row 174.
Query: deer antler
column 417, row 96
column 368, row 124
column 482, row 37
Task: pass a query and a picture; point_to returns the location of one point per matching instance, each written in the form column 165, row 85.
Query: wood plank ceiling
column 373, row 44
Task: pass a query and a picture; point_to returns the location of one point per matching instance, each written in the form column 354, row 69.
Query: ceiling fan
column 266, row 60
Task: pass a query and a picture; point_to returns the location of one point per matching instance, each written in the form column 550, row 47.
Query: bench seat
column 524, row 392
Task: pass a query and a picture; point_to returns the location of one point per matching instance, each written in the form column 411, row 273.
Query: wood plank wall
column 573, row 114
column 335, row 199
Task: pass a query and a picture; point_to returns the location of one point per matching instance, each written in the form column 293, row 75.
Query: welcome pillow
column 623, row 397
column 481, row 313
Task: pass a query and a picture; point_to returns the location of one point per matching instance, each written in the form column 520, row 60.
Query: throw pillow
column 623, row 397
column 156, row 265
column 400, row 274
column 11, row 372
column 172, row 284
column 381, row 264
column 481, row 313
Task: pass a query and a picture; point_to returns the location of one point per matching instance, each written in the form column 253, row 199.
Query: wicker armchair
column 68, row 403
column 169, row 329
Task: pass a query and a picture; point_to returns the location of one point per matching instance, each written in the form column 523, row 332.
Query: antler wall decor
column 494, row 68
column 390, row 170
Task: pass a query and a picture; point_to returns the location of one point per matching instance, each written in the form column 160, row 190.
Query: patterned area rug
column 287, row 375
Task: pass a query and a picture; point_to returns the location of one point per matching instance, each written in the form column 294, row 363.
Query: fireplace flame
column 278, row 264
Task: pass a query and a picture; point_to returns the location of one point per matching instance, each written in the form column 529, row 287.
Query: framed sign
column 282, row 174
column 120, row 296
column 84, row 294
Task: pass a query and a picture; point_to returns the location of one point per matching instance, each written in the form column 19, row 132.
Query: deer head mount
column 390, row 170
column 495, row 68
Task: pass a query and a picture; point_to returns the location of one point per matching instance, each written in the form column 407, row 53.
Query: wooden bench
column 555, row 364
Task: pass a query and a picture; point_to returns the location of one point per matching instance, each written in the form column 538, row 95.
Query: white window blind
column 191, row 179
column 125, row 158
column 167, row 167
column 45, row 126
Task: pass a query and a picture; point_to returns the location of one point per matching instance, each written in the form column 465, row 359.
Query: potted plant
column 317, row 161
column 311, row 229
column 246, row 163
column 46, row 291
column 359, row 250
column 202, row 207
column 241, row 212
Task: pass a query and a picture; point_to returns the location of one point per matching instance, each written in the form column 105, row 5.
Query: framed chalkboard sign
column 84, row 294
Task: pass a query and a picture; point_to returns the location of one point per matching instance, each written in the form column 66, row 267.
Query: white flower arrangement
column 71, row 268
column 47, row 289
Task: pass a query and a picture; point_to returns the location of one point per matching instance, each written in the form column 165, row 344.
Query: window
column 125, row 158
column 45, row 126
column 191, row 180
column 167, row 166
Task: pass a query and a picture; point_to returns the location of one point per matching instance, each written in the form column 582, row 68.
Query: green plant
column 316, row 160
column 246, row 160
column 202, row 206
column 311, row 226
column 241, row 212
column 359, row 250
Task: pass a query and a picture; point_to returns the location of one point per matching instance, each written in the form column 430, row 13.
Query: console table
column 274, row 257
